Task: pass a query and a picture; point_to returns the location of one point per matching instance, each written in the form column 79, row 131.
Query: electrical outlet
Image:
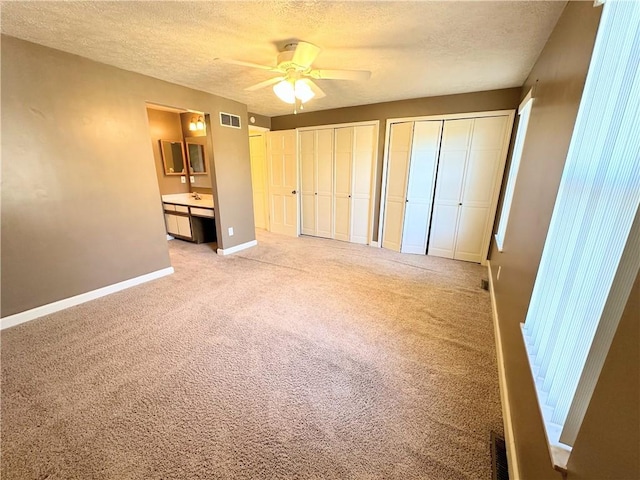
column 183, row 179
column 231, row 231
column 193, row 179
column 499, row 270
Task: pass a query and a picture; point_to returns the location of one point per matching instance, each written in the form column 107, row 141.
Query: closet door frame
column 374, row 160
column 262, row 131
column 454, row 116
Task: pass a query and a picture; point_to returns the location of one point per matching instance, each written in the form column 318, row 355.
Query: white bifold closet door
column 470, row 170
column 413, row 160
column 400, row 138
column 336, row 182
column 342, row 184
column 364, row 148
column 420, row 186
column 316, row 182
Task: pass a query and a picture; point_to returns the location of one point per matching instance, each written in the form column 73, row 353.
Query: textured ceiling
column 413, row 49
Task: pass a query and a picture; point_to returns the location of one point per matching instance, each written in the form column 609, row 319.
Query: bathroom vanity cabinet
column 189, row 218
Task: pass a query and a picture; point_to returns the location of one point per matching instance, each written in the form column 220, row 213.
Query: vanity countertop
column 206, row 200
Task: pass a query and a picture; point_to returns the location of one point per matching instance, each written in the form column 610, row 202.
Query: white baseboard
column 18, row 318
column 512, row 455
column 237, row 248
column 374, row 244
column 169, row 237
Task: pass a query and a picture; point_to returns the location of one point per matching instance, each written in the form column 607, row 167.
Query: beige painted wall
column 608, row 444
column 165, row 125
column 80, row 198
column 260, row 120
column 505, row 99
column 558, row 76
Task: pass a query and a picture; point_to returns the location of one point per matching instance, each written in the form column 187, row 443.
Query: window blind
column 582, row 285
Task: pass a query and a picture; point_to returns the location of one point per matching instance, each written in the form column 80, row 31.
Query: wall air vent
column 228, row 120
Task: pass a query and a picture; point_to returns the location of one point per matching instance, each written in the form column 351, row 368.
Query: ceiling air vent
column 228, row 120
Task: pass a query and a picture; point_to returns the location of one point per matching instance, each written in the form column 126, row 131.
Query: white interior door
column 397, row 170
column 364, row 149
column 283, row 182
column 420, row 186
column 307, row 141
column 485, row 165
column 324, row 182
column 258, row 155
column 454, row 148
column 342, row 183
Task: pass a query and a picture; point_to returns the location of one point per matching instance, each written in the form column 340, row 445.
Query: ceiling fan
column 295, row 83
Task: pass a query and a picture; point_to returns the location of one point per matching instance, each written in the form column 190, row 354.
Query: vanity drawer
column 182, row 209
column 169, row 207
column 202, row 212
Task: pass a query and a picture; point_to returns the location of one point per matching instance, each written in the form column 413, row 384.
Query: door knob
column 460, row 204
column 294, row 192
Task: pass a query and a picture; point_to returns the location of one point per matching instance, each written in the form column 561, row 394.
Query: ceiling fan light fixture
column 285, row 91
column 303, row 91
column 289, row 91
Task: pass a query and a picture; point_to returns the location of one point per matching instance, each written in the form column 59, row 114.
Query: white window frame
column 524, row 112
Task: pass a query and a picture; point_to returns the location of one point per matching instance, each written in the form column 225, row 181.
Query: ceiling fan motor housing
column 285, row 59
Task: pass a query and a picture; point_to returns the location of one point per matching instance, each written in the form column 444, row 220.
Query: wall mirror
column 172, row 157
column 195, row 153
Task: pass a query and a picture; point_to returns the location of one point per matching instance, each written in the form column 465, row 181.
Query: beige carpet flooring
column 299, row 358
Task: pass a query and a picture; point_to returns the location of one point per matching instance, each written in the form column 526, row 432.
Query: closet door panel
column 456, row 139
column 363, row 157
column 422, row 171
column 480, row 177
column 308, row 181
column 342, row 182
column 443, row 230
column 397, row 169
column 471, row 233
column 324, row 186
column 488, row 132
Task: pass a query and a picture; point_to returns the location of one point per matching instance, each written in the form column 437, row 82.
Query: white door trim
column 452, row 116
column 341, row 125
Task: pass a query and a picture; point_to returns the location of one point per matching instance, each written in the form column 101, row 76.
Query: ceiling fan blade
column 318, row 93
column 266, row 83
column 340, row 74
column 244, row 64
column 305, row 54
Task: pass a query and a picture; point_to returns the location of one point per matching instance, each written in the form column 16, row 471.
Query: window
column 523, row 122
column 592, row 252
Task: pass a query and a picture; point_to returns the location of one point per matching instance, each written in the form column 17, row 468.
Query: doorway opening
column 181, row 151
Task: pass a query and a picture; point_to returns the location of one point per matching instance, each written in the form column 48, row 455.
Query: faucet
column 195, row 195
